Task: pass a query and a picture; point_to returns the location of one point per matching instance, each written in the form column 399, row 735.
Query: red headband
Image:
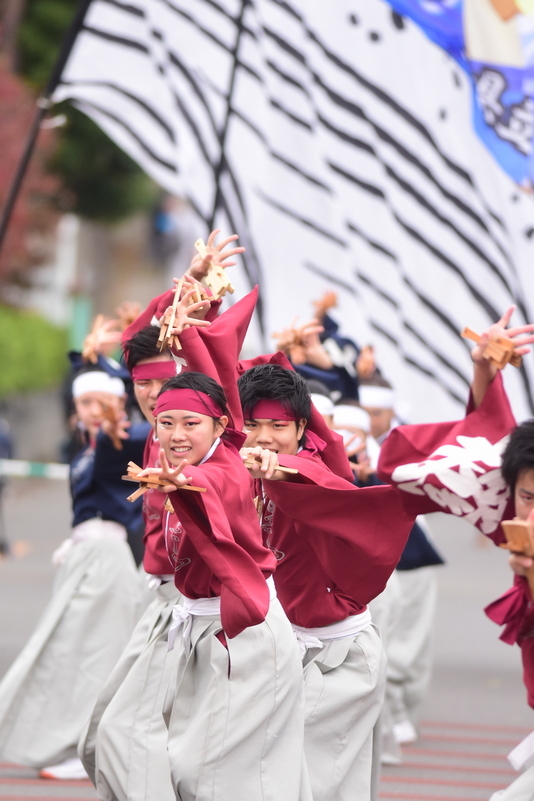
column 270, row 410
column 154, row 370
column 190, row 400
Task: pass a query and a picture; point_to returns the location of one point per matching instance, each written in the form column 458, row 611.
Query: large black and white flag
column 337, row 141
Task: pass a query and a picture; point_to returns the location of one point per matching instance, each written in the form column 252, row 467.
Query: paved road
column 476, row 710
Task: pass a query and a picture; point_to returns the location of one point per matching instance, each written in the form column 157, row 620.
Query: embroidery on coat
column 470, row 475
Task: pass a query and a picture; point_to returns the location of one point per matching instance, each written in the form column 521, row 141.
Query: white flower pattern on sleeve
column 470, row 477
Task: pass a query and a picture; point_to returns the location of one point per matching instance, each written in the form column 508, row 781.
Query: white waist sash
column 93, row 529
column 522, row 754
column 98, row 529
column 315, row 637
column 182, row 614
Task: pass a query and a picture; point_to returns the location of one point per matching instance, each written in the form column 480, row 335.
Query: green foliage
column 33, row 352
column 99, row 180
column 40, row 35
column 102, row 182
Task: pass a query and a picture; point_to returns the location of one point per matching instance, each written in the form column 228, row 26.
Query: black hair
column 143, row 345
column 519, row 453
column 200, row 383
column 273, row 382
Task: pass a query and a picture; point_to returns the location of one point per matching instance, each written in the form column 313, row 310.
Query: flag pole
column 43, row 104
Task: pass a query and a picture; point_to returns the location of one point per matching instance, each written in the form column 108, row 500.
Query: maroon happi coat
column 213, row 351
column 336, row 544
column 214, row 541
column 455, row 467
column 515, row 611
column 156, row 559
column 157, row 308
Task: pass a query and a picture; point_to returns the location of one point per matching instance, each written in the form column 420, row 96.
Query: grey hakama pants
column 410, row 645
column 522, row 789
column 235, row 716
column 385, row 610
column 344, row 689
column 124, row 746
column 49, row 691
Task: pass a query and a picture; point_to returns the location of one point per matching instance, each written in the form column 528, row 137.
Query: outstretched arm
column 483, row 370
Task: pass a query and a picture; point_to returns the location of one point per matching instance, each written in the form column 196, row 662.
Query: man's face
column 381, row 420
column 147, row 390
column 524, row 494
column 280, row 436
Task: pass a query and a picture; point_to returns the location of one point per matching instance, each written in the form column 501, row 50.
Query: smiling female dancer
column 235, row 713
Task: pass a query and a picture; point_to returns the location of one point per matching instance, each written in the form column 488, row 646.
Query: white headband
column 376, row 397
column 351, row 417
column 97, row 381
column 322, row 403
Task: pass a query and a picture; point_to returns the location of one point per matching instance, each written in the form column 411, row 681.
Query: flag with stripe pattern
column 336, row 139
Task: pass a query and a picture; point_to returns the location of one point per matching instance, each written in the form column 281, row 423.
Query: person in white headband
column 48, row 693
column 97, row 381
column 94, row 393
column 350, row 416
column 376, row 397
column 353, row 424
column 378, row 402
column 324, row 406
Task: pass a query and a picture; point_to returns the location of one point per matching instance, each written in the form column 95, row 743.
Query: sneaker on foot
column 404, row 732
column 69, row 769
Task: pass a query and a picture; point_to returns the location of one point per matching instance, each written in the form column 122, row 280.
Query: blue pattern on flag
column 503, row 96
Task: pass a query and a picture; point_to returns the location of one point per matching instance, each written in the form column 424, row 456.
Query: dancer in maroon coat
column 124, row 747
column 470, row 469
column 235, row 713
column 336, row 546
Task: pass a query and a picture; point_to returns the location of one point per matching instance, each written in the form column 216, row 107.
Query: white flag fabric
column 337, row 141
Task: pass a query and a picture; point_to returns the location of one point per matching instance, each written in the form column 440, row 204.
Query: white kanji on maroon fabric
column 469, row 472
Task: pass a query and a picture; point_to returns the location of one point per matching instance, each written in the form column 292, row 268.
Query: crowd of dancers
column 285, row 554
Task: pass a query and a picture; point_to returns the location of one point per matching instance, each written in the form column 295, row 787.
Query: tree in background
column 33, row 215
column 33, row 350
column 99, row 180
column 94, row 178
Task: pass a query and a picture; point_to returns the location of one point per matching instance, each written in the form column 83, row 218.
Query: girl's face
column 280, row 436
column 187, row 435
column 90, row 409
